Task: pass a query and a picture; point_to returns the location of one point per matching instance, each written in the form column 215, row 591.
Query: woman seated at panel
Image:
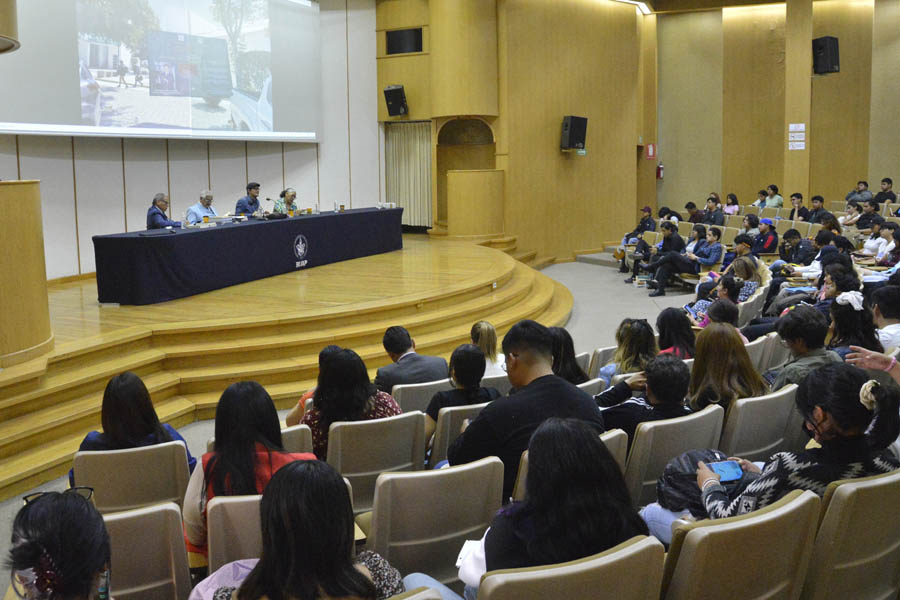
column 723, row 371
column 307, row 546
column 636, row 346
column 60, row 548
column 484, row 336
column 285, row 202
column 852, row 324
column 345, row 393
column 129, row 421
column 248, row 451
column 576, row 505
column 466, row 370
column 853, row 418
column 564, row 363
column 675, row 334
column 296, row 414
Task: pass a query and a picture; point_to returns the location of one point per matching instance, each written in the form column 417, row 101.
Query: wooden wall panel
column 797, row 93
column 400, row 14
column 49, row 159
column 840, row 102
column 264, row 165
column 228, row 174
column 884, row 126
column 648, row 84
column 459, row 157
column 100, row 188
column 9, row 159
column 188, row 174
column 146, row 173
column 558, row 202
column 690, row 106
column 365, row 188
column 414, row 74
column 300, row 172
column 752, row 99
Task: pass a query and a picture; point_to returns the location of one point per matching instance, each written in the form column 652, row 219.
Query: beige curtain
column 407, row 166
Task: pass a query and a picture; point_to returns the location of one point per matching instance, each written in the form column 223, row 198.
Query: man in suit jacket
column 407, row 367
column 156, row 215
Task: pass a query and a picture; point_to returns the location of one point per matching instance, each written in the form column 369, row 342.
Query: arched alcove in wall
column 463, row 144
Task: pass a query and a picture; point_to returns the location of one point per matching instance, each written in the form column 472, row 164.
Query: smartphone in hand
column 728, row 470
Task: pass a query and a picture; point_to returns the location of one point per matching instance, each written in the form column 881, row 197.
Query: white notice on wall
column 796, row 145
column 797, row 137
column 797, row 127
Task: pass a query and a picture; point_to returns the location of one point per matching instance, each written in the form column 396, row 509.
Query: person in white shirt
column 886, row 309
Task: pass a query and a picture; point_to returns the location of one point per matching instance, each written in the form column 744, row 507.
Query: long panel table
column 146, row 267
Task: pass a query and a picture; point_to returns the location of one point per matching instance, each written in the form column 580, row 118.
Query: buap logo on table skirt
column 301, row 247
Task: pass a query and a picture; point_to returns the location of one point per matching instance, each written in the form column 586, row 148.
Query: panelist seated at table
column 286, row 202
column 203, row 208
column 249, row 204
column 156, row 216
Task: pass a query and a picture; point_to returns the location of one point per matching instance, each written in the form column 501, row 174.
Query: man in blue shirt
column 202, row 209
column 156, row 216
column 249, row 204
column 706, row 255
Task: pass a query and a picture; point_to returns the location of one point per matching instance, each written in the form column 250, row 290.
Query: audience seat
column 889, row 209
column 593, row 386
column 755, row 428
column 728, row 235
column 416, row 396
column 134, row 477
column 757, row 348
column 763, row 554
column 784, row 213
column 684, row 228
column 736, row 221
column 294, row 439
column 776, row 353
column 599, row 359
column 783, row 225
column 857, row 549
column 422, row 593
column 583, row 360
column 814, row 228
column 657, row 442
column 362, row 450
column 149, row 560
column 498, row 382
column 630, row 571
column 233, row 528
column 768, row 213
column 449, row 422
column 420, row 520
column 749, row 209
column 621, row 377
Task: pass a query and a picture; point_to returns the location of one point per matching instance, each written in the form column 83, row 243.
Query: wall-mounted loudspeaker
column 826, row 58
column 396, row 100
column 573, row 132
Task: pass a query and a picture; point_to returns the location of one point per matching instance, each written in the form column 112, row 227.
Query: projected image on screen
column 240, row 69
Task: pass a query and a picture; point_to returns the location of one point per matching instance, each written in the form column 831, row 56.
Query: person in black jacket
column 767, row 240
column 665, row 383
column 793, row 250
column 635, row 237
column 671, row 242
column 713, row 214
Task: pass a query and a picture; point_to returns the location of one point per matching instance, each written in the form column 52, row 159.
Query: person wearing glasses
column 156, row 214
column 285, row 202
column 60, row 548
column 203, row 208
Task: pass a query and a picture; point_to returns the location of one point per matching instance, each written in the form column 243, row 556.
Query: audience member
column 296, row 414
column 773, row 198
column 870, row 210
column 876, row 243
column 156, row 214
column 731, row 205
column 645, row 224
column 794, row 249
column 635, row 347
column 803, row 331
column 671, row 242
column 750, row 226
column 505, row 425
column 830, row 223
column 767, row 240
column 666, row 214
column 247, row 452
column 203, row 208
column 307, row 546
column 664, row 383
column 344, row 393
column 697, row 237
column 406, row 365
column 714, row 214
column 853, row 418
column 818, row 209
column 129, row 420
column 466, row 370
column 798, row 212
column 564, row 363
column 852, row 324
column 707, row 255
column 860, row 193
column 694, row 215
column 886, row 195
column 484, row 336
column 60, row 548
column 675, row 334
column 760, row 198
column 854, row 212
column 886, row 313
column 722, row 371
column 742, row 247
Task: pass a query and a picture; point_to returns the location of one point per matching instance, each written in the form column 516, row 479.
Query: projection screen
column 208, row 69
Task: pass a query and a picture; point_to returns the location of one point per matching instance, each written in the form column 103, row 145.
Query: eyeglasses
column 503, row 366
column 83, row 491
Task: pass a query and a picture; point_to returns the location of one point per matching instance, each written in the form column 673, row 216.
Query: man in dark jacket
column 796, row 250
column 645, row 224
column 671, row 242
column 713, row 214
column 767, row 240
column 818, row 210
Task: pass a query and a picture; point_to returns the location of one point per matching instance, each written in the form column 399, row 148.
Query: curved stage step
column 435, row 288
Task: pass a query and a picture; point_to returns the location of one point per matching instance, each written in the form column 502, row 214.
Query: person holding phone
column 853, row 418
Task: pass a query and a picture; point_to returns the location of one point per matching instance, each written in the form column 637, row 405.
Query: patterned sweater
column 808, row 470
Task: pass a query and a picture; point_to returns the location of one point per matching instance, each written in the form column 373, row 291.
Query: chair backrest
column 783, row 225
column 421, row 593
column 757, row 348
column 143, row 476
column 621, row 377
column 684, row 228
column 802, row 227
column 498, row 382
column 857, row 549
column 416, row 396
column 689, row 362
column 583, row 360
column 420, row 520
column 630, row 571
column 755, row 428
column 593, row 386
column 784, row 213
column 362, row 450
column 728, row 235
column 149, row 560
column 600, row 358
column 768, row 213
column 449, row 422
column 762, row 554
column 651, row 237
column 294, row 439
column 837, row 205
column 657, row 442
column 750, row 210
column 736, row 221
column 814, row 228
column 233, row 529
column 776, row 353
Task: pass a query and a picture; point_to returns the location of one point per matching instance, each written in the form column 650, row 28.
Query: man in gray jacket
column 407, row 367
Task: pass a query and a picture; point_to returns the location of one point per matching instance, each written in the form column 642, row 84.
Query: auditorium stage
column 271, row 330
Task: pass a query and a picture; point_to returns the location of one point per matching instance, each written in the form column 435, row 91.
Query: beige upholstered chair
column 776, row 353
column 600, row 358
column 755, row 428
column 498, row 382
column 149, row 560
column 362, row 450
column 136, row 477
column 420, row 520
column 583, row 360
column 593, row 386
column 762, row 554
column 294, row 439
column 749, row 210
column 449, row 422
column 657, row 442
column 416, row 396
column 757, row 348
column 422, row 593
column 685, row 227
column 630, row 571
column 233, row 528
column 621, row 377
column 857, row 549
column 728, row 235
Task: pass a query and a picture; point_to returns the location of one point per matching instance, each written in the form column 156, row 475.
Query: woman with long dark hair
column 852, row 324
column 248, row 451
column 129, row 420
column 467, row 364
column 307, row 546
column 564, row 363
column 723, row 371
column 675, row 334
column 344, row 393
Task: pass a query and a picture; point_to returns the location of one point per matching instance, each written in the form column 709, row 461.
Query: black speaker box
column 573, row 132
column 396, row 100
column 826, row 58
